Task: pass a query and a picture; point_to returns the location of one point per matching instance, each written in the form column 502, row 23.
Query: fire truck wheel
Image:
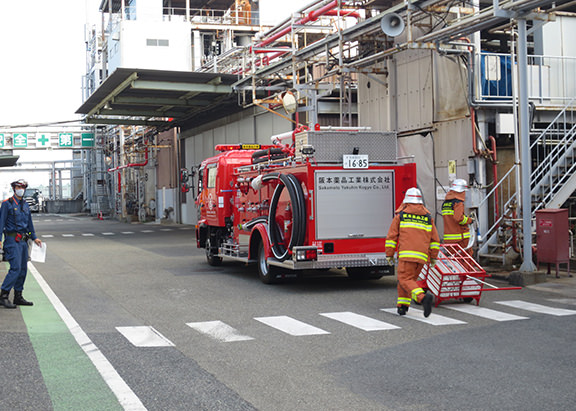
column 266, row 272
column 364, row 273
column 212, row 259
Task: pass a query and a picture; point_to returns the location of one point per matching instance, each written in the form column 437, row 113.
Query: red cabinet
column 552, row 237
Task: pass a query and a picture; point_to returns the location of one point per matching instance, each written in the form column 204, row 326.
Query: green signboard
column 87, row 139
column 42, row 140
column 20, row 140
column 65, row 140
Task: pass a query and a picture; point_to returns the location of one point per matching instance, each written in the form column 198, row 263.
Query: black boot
column 19, row 300
column 402, row 309
column 427, row 302
column 4, row 299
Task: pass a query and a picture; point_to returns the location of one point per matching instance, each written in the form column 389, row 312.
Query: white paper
column 38, row 254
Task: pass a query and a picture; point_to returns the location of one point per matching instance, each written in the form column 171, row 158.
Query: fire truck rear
column 323, row 199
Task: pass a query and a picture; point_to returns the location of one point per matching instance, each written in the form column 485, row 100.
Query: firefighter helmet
column 413, row 196
column 21, row 183
column 459, row 185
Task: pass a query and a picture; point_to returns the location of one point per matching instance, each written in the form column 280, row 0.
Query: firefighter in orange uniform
column 413, row 234
column 456, row 222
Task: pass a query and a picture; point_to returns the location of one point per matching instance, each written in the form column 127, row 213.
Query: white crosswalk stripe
column 485, row 312
column 219, row 331
column 88, row 235
column 47, row 236
column 147, row 231
column 127, row 232
column 571, row 301
column 360, row 321
column 108, row 233
column 291, row 326
column 144, row 336
column 537, row 308
column 434, row 319
column 67, row 235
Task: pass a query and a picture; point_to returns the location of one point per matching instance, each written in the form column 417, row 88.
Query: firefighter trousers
column 408, row 288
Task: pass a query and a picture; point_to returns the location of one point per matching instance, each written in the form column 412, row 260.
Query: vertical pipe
column 524, row 121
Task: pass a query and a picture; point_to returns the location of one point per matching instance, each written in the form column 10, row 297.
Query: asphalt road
column 131, row 316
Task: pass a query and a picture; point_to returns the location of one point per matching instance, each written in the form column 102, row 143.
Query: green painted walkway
column 71, row 379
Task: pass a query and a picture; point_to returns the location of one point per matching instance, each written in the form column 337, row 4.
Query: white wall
column 129, row 48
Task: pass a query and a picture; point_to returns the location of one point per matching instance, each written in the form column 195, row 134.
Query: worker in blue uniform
column 16, row 225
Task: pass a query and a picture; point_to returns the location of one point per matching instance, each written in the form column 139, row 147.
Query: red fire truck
column 324, row 199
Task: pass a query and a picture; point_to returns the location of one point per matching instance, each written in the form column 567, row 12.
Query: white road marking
column 537, row 308
column 166, row 229
column 108, row 233
column 434, row 319
column 291, row 326
column 360, row 321
column 88, row 235
column 571, row 301
column 219, row 331
column 47, row 236
column 147, row 231
column 127, row 232
column 144, row 336
column 124, row 394
column 485, row 313
column 67, row 235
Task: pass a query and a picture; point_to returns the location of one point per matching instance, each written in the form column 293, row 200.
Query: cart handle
column 494, row 288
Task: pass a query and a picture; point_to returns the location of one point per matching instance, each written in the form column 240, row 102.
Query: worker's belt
column 17, row 236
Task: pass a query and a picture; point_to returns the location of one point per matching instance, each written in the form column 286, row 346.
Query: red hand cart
column 456, row 275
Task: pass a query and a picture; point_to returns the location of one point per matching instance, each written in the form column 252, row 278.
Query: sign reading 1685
column 355, row 160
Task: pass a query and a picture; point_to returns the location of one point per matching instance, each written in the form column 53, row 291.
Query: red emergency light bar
column 229, row 147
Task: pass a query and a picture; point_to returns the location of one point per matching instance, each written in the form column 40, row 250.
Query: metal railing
column 554, row 153
column 551, row 79
column 213, row 16
column 503, row 200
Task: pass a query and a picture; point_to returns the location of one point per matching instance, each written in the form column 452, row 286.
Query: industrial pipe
column 132, row 164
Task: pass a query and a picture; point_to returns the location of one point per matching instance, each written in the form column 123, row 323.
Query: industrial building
column 482, row 90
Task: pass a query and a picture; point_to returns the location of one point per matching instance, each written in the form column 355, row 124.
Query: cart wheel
column 468, row 299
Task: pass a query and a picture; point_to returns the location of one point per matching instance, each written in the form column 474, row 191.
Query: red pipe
column 132, row 164
column 313, row 15
column 495, row 172
column 343, row 13
column 473, row 120
column 119, row 182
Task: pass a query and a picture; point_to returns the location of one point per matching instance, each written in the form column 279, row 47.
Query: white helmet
column 459, row 185
column 413, row 196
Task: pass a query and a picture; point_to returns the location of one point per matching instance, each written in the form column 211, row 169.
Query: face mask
column 19, row 192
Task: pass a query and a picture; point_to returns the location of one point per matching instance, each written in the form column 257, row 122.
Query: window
column 158, row 42
column 211, row 176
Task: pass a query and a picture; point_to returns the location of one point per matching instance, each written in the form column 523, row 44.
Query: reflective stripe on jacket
column 413, row 234
column 455, row 221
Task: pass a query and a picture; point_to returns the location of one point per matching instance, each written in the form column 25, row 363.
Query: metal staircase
column 552, row 182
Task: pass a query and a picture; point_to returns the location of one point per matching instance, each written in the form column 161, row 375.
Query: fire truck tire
column 212, row 259
column 366, row 273
column 267, row 273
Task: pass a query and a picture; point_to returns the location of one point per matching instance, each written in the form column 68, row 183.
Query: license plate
column 355, row 160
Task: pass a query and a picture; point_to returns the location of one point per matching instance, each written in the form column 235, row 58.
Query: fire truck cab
column 325, row 199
